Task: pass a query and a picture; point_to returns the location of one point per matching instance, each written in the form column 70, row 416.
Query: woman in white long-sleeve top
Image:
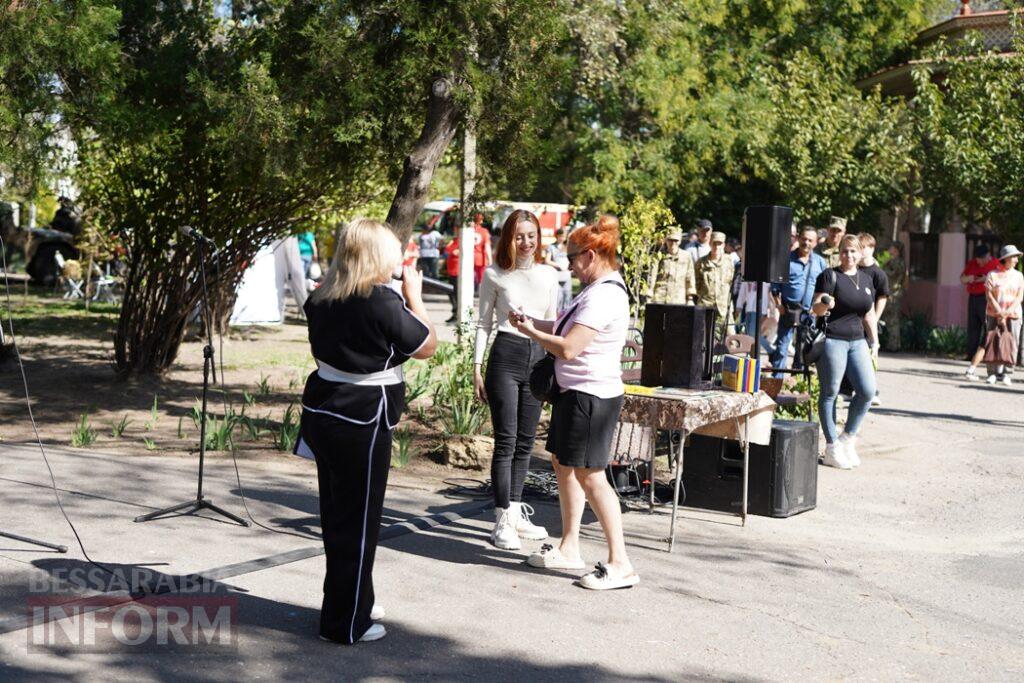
column 518, row 280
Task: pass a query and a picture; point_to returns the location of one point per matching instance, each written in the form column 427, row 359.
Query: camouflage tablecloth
column 691, row 410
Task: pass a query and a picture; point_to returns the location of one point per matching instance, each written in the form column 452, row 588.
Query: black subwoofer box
column 766, row 242
column 783, row 475
column 678, row 343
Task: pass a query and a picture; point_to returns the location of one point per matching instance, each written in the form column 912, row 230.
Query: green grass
column 40, row 315
column 150, row 444
column 401, row 448
column 117, row 428
column 288, row 434
column 83, row 435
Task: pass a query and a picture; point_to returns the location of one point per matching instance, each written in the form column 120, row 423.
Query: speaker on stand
column 766, row 247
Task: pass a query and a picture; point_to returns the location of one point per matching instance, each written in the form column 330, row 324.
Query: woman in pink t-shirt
column 583, row 420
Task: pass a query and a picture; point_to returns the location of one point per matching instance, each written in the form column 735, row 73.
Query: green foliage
column 801, row 386
column 56, row 60
column 948, row 341
column 117, row 428
column 458, row 410
column 288, row 433
column 220, row 432
column 83, row 435
column 915, row 331
column 150, row 444
column 826, row 148
column 643, row 224
column 401, row 448
column 153, row 414
column 263, row 388
column 969, row 114
column 417, row 380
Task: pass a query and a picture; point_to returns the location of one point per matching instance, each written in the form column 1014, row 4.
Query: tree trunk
column 418, row 170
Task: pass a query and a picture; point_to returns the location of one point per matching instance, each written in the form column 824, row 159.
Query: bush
column 915, row 331
column 459, row 411
column 948, row 341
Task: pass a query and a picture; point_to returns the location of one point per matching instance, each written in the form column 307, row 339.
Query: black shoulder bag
column 812, row 332
column 543, row 384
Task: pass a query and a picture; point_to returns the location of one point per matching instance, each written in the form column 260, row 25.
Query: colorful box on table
column 741, row 373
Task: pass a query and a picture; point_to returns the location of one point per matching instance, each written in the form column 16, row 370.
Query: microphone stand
column 192, row 506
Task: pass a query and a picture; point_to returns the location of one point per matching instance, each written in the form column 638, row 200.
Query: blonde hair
column 866, row 239
column 365, row 254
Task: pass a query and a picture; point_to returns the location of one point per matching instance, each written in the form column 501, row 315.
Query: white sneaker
column 849, row 443
column 1007, row 381
column 876, row 400
column 970, row 374
column 521, row 513
column 551, row 557
column 991, row 379
column 377, row 613
column 504, row 533
column 835, row 456
column 375, row 632
column 601, row 580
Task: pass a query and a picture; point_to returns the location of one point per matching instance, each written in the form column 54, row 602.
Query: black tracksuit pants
column 975, row 323
column 352, row 462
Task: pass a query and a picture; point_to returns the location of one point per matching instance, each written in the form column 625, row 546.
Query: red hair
column 505, row 252
column 602, row 237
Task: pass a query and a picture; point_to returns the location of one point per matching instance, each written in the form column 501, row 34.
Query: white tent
column 261, row 295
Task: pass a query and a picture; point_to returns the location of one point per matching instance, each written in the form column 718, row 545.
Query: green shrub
column 915, row 331
column 948, row 341
column 800, row 412
column 454, row 401
column 220, row 432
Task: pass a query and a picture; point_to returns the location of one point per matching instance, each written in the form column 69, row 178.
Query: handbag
column 543, row 383
column 813, row 332
column 1000, row 347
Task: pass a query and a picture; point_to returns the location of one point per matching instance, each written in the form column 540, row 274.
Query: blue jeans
column 853, row 359
column 780, row 354
column 749, row 323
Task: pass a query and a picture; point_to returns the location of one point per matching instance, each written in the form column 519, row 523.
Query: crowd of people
column 367, row 318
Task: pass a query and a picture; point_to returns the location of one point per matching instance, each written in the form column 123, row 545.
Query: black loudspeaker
column 678, row 343
column 766, row 242
column 783, row 475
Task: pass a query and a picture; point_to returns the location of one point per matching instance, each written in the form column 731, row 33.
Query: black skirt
column 582, row 427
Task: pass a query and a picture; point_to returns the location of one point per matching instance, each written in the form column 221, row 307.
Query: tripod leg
column 32, row 541
column 191, row 506
column 221, row 511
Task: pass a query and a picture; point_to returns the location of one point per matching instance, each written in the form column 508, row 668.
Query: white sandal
column 601, row 580
column 551, row 557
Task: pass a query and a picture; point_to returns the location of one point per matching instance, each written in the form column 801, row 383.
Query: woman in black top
column 360, row 332
column 846, row 295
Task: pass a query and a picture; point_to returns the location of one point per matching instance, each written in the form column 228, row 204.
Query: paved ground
column 911, row 567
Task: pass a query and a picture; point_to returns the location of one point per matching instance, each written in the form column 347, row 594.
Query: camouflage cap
column 674, row 233
column 836, row 223
column 717, row 237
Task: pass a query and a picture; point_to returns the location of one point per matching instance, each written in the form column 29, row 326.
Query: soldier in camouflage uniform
column 829, row 248
column 673, row 280
column 896, row 270
column 714, row 277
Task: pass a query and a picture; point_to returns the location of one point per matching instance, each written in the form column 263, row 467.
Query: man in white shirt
column 703, row 246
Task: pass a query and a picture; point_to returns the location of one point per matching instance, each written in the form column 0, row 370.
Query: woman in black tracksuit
column 360, row 332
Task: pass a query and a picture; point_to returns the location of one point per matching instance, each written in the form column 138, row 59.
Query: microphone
column 189, row 231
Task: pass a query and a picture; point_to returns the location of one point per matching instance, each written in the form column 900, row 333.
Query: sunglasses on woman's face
column 572, row 256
